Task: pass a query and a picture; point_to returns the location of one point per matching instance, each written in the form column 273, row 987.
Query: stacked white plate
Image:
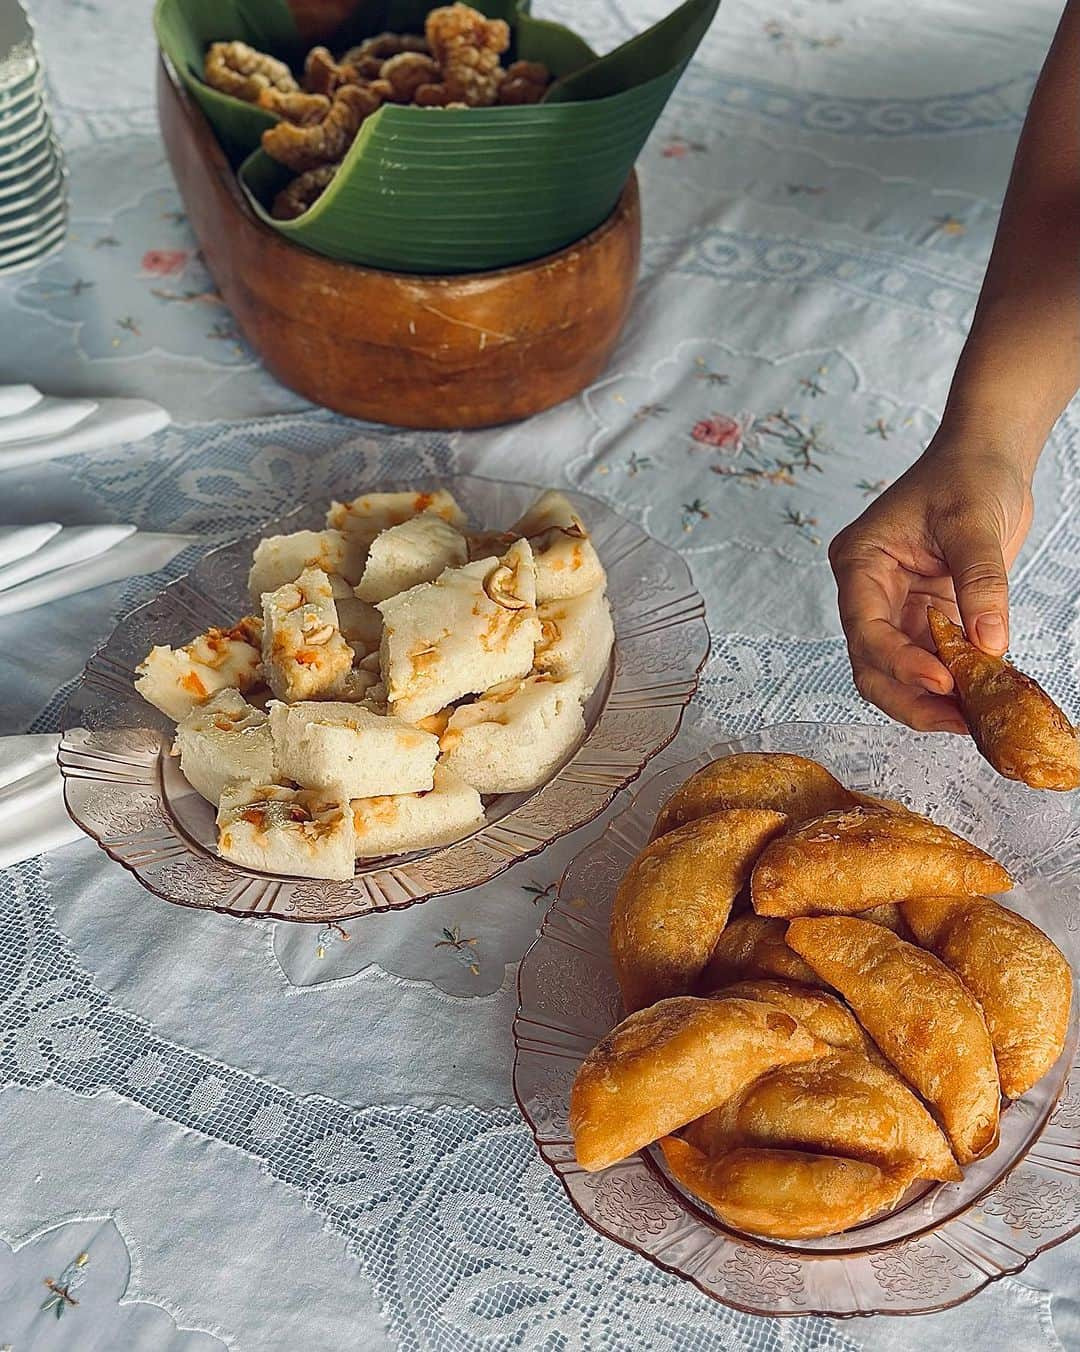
column 33, row 198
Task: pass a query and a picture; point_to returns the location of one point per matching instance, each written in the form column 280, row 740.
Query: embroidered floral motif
column 328, row 935
column 537, row 891
column 60, row 1299
column 464, row 948
column 692, row 513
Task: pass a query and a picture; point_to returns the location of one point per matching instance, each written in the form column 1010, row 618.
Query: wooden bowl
column 391, row 347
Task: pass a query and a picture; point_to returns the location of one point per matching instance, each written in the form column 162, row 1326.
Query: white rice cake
column 576, row 638
column 304, row 651
column 350, row 750
column 406, row 555
column 358, row 686
column 224, row 740
column 470, row 629
column 178, row 680
column 566, row 562
column 282, row 558
column 359, row 622
column 516, row 736
column 417, row 821
column 369, row 515
column 305, row 833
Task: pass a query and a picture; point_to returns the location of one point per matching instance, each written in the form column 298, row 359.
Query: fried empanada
column 845, row 862
column 665, row 1065
column 838, row 1105
column 920, row 1014
column 1018, row 975
column 753, row 946
column 1015, row 723
column 675, row 899
column 785, row 1193
column 819, row 1012
column 793, row 785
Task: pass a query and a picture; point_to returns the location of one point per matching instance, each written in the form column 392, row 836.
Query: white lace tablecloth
column 222, row 1133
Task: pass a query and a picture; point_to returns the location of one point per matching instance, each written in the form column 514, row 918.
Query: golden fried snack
column 383, row 46
column 304, row 148
column 467, row 47
column 752, row 946
column 920, row 1014
column 1018, row 975
column 240, row 70
column 844, row 862
column 1015, row 723
column 524, row 82
column 675, row 899
column 302, row 109
column 819, row 1012
column 873, row 800
column 665, row 1065
column 838, row 1105
column 890, row 915
column 324, row 75
column 785, row 1193
column 405, row 73
column 798, row 787
column 302, row 192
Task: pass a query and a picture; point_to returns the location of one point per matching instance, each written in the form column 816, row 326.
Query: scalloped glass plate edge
column 1018, row 1207
column 111, row 749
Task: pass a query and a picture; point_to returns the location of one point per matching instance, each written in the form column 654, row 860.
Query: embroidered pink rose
column 165, row 262
column 675, row 150
column 722, row 431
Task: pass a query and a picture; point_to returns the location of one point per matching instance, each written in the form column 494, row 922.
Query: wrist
column 967, row 436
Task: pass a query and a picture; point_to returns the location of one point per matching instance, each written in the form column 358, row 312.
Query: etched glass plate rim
column 272, row 895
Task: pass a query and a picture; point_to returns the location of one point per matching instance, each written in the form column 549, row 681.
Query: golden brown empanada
column 675, row 899
column 838, row 1105
column 793, row 785
column 665, row 1065
column 753, row 946
column 819, row 1012
column 920, row 1014
column 785, row 1193
column 1015, row 723
column 846, row 862
column 1021, row 979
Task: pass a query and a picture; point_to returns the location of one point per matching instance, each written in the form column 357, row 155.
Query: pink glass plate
column 946, row 1241
column 125, row 790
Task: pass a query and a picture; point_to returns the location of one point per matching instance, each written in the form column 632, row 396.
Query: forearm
column 1021, row 363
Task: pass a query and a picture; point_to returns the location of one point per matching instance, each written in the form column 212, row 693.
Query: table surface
column 275, row 1137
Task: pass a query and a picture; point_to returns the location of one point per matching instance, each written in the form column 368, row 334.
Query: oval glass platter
column 944, row 1242
column 122, row 786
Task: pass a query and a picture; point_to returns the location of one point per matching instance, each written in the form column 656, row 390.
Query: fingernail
column 934, row 685
column 990, row 631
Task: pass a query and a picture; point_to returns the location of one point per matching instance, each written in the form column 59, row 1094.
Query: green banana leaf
column 460, row 190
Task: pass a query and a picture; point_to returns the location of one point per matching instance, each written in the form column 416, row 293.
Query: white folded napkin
column 109, row 422
column 17, row 398
column 33, row 817
column 97, row 555
column 18, row 541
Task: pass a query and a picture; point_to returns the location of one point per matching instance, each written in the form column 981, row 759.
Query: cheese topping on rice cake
column 223, row 740
column 305, row 833
column 351, row 750
column 406, row 555
column 282, row 558
column 566, row 562
column 417, row 821
column 177, row 680
column 470, row 629
column 369, row 515
column 304, row 652
column 576, row 638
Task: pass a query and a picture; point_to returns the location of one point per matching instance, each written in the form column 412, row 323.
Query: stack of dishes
column 33, row 206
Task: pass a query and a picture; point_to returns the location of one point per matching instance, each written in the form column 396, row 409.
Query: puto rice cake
column 367, row 516
column 305, row 833
column 282, row 558
column 304, row 651
column 404, row 556
column 576, row 638
column 566, row 562
column 417, row 821
column 176, row 680
column 223, row 740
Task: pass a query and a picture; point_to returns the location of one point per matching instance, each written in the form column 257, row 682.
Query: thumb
column 973, row 556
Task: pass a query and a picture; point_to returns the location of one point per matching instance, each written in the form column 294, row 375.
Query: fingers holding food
column 849, row 861
column 675, row 899
column 1018, row 975
column 1015, row 723
column 921, row 1016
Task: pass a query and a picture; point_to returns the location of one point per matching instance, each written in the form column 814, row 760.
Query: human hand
column 944, row 534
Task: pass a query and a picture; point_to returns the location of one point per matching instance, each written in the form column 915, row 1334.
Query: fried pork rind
column 1016, row 973
column 785, row 1193
column 303, row 192
column 920, row 1014
column 383, row 46
column 837, row 1105
column 467, row 47
column 324, row 75
column 304, row 148
column 668, row 1064
column 240, row 70
column 753, row 946
column 1015, row 723
column 844, row 862
column 405, row 73
column 524, row 82
column 793, row 785
column 675, row 899
column 302, row 109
